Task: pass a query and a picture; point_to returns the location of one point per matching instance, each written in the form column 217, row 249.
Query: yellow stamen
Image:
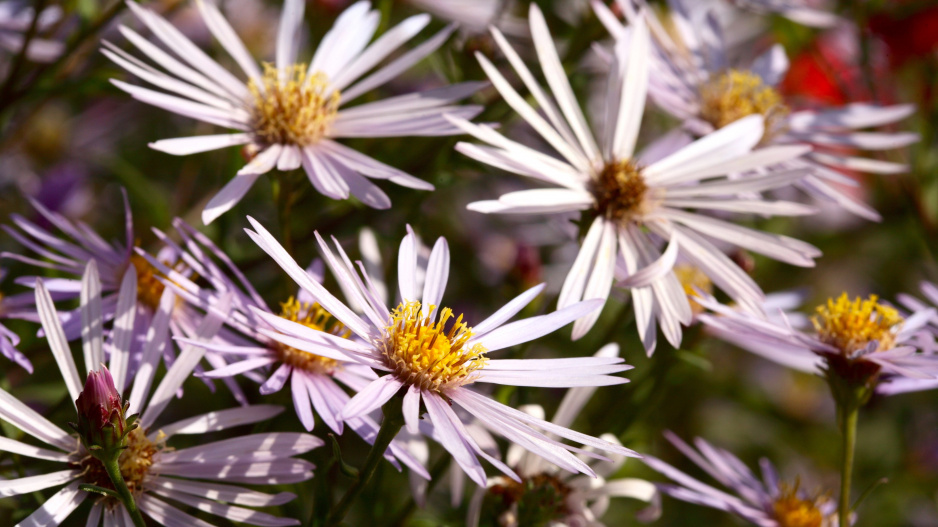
column 315, row 317
column 135, row 462
column 692, row 277
column 620, row 190
column 792, row 511
column 735, row 94
column 422, row 353
column 851, row 325
column 297, row 110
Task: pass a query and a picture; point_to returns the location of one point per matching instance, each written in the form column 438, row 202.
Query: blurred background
column 72, row 141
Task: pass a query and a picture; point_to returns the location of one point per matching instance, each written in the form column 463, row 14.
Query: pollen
column 620, row 190
column 792, row 511
column 735, row 94
column 423, row 353
column 691, row 279
column 315, row 317
column 149, row 288
column 850, row 325
column 297, row 109
column 136, row 462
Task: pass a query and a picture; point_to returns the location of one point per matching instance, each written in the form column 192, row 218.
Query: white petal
column 372, row 397
column 228, row 196
column 55, row 336
column 437, row 274
column 534, row 327
column 92, row 338
column 183, row 146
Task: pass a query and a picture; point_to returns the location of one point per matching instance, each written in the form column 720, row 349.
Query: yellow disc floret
column 735, row 94
column 792, row 511
column 149, row 288
column 850, row 325
column 422, row 352
column 620, row 190
column 291, row 107
column 315, row 317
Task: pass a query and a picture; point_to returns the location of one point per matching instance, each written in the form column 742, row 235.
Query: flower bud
column 102, row 423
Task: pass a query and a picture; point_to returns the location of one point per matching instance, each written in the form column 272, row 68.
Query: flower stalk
column 390, row 426
column 103, row 429
column 848, row 430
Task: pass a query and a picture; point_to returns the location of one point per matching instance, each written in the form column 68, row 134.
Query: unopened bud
column 102, row 422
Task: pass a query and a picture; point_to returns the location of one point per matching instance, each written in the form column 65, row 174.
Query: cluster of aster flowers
column 657, row 219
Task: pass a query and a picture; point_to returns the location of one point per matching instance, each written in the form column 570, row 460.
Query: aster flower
column 314, row 380
column 696, row 82
column 151, row 468
column 119, row 265
column 434, row 365
column 15, row 20
column 553, row 497
column 635, row 203
column 861, row 341
column 766, row 502
column 289, row 115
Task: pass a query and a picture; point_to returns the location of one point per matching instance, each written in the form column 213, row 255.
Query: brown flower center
column 620, row 190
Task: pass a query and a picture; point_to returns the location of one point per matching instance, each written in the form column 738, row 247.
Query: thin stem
column 20, row 58
column 390, row 426
column 113, row 470
column 848, row 429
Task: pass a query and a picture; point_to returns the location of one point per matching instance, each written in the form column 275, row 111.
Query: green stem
column 114, row 472
column 390, row 426
column 848, row 429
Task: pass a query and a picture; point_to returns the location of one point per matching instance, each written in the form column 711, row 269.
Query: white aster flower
column 15, row 20
column 695, row 81
column 434, row 365
column 153, row 471
column 766, row 502
column 636, row 202
column 120, row 266
column 289, row 114
column 313, row 379
column 577, row 500
column 863, row 341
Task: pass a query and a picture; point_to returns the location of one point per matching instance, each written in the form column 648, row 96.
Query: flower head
column 858, row 343
column 288, row 114
column 644, row 209
column 765, row 501
column 152, row 469
column 433, row 362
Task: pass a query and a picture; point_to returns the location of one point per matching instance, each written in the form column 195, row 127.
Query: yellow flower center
column 851, row 325
column 692, row 277
column 620, row 190
column 135, row 462
column 792, row 511
column 297, row 110
column 421, row 352
column 149, row 288
column 735, row 94
column 315, row 317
